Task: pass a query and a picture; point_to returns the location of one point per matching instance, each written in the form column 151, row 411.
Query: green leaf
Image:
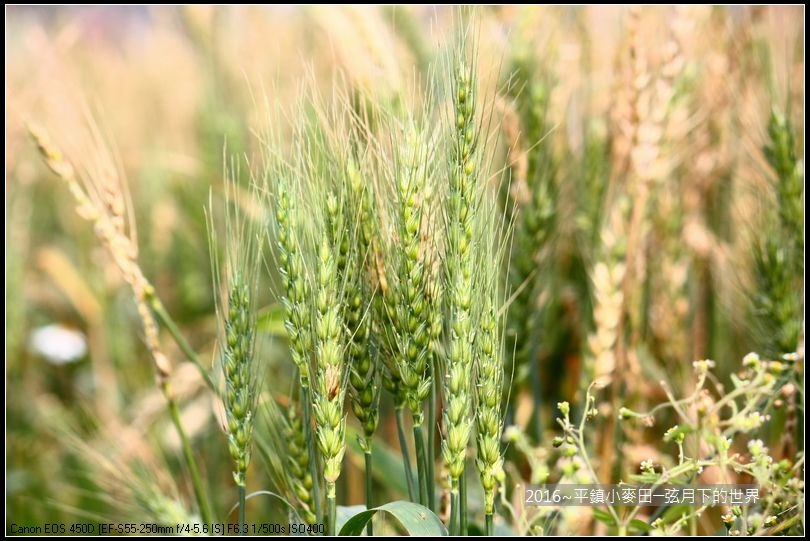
column 345, row 513
column 415, row 518
column 604, row 517
column 640, row 526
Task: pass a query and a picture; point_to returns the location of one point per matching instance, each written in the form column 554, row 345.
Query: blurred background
column 171, row 88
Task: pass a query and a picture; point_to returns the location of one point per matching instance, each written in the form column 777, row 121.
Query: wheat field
column 357, row 270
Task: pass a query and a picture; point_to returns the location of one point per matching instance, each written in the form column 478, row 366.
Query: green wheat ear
column 779, row 253
column 350, row 226
column 281, row 443
column 298, row 463
column 238, row 279
column 290, row 256
column 131, row 488
column 330, row 380
column 461, row 208
column 533, row 200
column 490, row 358
column 237, row 360
column 412, row 316
column 329, row 387
column 324, row 194
column 290, row 194
column 781, row 154
column 364, row 375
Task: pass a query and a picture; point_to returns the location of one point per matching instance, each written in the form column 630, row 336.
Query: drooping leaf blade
column 414, row 518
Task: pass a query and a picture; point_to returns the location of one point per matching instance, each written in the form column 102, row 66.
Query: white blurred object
column 58, row 344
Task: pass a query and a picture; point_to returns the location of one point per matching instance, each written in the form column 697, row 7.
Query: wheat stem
column 462, row 507
column 166, row 320
column 535, row 196
column 421, row 464
column 237, row 331
column 412, row 317
column 331, row 508
column 454, row 510
column 240, row 395
column 403, row 447
column 435, row 348
column 431, row 439
column 242, row 529
column 369, row 490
